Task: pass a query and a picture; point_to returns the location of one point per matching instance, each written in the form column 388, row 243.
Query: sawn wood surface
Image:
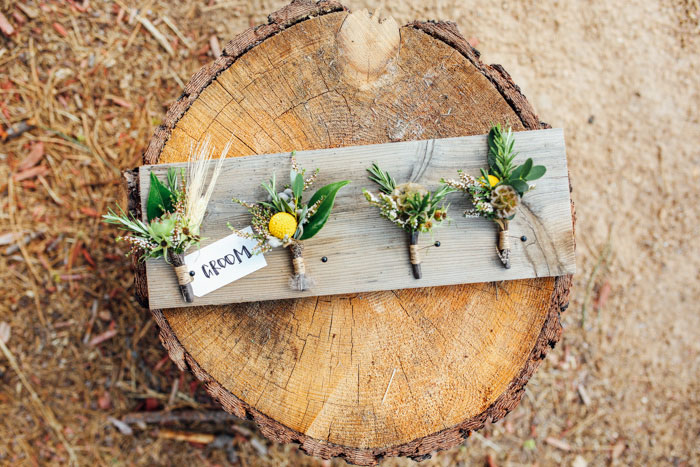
column 365, row 253
column 370, row 375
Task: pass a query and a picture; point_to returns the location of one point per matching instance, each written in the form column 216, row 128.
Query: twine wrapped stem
column 415, row 255
column 504, row 245
column 299, row 281
column 503, row 240
column 184, row 280
column 299, row 266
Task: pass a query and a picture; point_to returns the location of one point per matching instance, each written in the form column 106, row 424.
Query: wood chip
column 19, row 18
column 618, row 449
column 5, row 332
column 558, row 443
column 121, row 426
column 33, row 158
column 104, row 402
column 60, row 29
column 30, row 173
column 156, row 34
column 200, row 438
column 215, row 47
column 602, row 297
column 120, row 102
column 16, row 130
column 20, row 242
column 5, row 26
column 90, row 211
column 28, row 11
column 259, row 446
column 7, row 238
column 583, row 394
column 100, row 338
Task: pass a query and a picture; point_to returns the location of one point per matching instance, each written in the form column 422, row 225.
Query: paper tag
column 223, row 262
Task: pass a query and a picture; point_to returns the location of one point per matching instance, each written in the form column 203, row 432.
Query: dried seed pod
column 505, row 200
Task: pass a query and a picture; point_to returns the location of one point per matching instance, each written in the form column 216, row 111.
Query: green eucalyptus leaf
column 320, row 217
column 160, row 199
column 537, row 172
column 520, row 186
column 270, row 190
column 522, row 170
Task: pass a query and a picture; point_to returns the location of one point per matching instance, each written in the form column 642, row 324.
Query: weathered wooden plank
column 367, row 253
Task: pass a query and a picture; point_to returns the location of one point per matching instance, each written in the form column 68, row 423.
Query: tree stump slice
column 362, row 376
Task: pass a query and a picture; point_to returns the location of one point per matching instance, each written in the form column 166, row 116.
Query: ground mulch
column 83, row 377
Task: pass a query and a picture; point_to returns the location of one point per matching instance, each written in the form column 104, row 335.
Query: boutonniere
column 285, row 219
column 409, row 206
column 498, row 192
column 174, row 213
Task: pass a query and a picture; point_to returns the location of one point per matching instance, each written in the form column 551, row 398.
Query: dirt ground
column 623, row 80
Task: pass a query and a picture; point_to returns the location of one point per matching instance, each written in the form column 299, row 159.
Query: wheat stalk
column 196, row 198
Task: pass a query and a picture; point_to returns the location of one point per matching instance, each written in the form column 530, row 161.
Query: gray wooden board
column 366, row 252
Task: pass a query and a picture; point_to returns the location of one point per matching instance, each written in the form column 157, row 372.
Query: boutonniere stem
column 286, row 219
column 409, row 206
column 174, row 214
column 497, row 194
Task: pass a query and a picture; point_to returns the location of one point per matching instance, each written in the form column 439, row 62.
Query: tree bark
column 363, row 377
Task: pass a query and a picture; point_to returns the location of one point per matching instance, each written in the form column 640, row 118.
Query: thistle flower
column 407, row 191
column 505, row 200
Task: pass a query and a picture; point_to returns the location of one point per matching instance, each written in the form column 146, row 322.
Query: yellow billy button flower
column 283, row 225
column 493, row 181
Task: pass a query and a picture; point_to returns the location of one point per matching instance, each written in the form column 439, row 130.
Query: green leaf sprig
column 307, row 218
column 285, row 219
column 409, row 206
column 500, row 159
column 496, row 195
